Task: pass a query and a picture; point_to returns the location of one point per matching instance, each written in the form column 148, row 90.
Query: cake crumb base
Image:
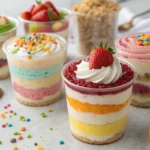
column 137, row 104
column 4, row 76
column 39, row 103
column 115, row 138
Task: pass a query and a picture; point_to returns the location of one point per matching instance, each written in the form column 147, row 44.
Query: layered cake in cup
column 35, row 63
column 8, row 27
column 98, row 92
column 135, row 48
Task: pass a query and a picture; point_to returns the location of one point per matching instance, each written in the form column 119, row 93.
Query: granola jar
column 94, row 21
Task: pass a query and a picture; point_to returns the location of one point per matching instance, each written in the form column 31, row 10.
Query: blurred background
column 14, row 7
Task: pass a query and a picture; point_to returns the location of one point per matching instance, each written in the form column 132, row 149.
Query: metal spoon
column 128, row 25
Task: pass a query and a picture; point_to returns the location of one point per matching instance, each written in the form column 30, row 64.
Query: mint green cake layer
column 7, row 27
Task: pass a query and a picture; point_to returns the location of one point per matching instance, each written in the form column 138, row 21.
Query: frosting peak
column 105, row 75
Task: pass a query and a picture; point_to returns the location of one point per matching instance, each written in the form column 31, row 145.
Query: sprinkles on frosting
column 143, row 39
column 33, row 42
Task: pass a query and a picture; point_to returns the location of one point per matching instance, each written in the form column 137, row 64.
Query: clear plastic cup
column 59, row 27
column 36, row 81
column 98, row 116
column 130, row 51
column 90, row 30
column 4, row 71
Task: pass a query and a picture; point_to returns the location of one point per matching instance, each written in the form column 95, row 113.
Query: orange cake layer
column 95, row 108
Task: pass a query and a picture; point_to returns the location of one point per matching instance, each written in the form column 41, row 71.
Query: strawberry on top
column 42, row 12
column 101, row 57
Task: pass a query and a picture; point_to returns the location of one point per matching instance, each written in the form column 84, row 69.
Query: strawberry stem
column 105, row 45
column 38, row 2
column 50, row 14
column 110, row 49
column 101, row 44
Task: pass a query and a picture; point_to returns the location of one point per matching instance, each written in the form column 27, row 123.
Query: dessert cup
column 98, row 115
column 4, row 71
column 90, row 28
column 139, row 56
column 59, row 27
column 37, row 81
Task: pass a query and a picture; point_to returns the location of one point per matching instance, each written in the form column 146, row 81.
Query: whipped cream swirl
column 36, row 45
column 38, row 52
column 105, row 75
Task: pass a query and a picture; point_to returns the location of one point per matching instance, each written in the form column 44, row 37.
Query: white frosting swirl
column 38, row 52
column 36, row 45
column 105, row 75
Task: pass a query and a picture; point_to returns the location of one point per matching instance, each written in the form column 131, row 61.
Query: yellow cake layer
column 98, row 130
column 95, row 108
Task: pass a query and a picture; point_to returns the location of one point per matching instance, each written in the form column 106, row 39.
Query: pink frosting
column 37, row 94
column 127, row 47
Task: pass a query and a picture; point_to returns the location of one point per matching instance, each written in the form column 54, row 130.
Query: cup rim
column 96, row 89
column 59, row 8
column 105, row 13
column 38, row 57
column 13, row 29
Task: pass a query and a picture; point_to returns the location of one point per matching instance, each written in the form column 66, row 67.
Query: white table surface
column 135, row 138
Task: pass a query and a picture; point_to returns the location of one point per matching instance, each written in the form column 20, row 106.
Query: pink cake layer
column 127, row 47
column 37, row 94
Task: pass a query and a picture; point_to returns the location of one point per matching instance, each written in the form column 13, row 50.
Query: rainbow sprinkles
column 143, row 39
column 35, row 44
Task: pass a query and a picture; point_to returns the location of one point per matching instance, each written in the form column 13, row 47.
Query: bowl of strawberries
column 45, row 17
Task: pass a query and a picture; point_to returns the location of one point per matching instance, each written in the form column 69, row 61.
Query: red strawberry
column 100, row 57
column 31, row 8
column 26, row 15
column 41, row 16
column 38, row 8
column 48, row 4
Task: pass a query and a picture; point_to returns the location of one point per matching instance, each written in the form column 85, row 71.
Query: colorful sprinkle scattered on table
column 20, row 137
column 29, row 136
column 23, row 129
column 11, row 111
column 10, row 125
column 43, row 115
column 143, row 39
column 3, row 126
column 21, row 117
column 40, row 148
column 35, row 144
column 28, row 120
column 15, row 133
column 61, row 142
column 15, row 148
column 13, row 140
